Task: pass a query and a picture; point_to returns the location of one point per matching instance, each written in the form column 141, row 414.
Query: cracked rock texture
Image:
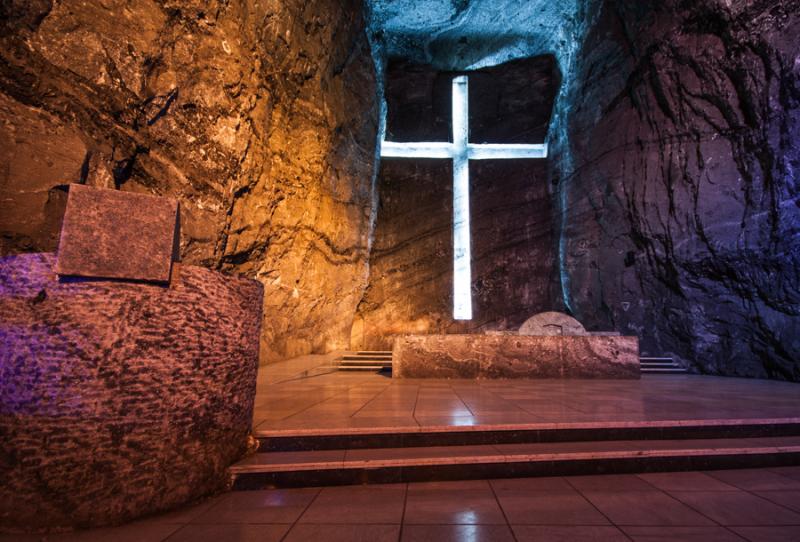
column 120, row 399
column 682, row 212
column 260, row 117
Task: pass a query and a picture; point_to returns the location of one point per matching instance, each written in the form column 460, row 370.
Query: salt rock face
column 259, row 117
column 682, row 215
column 411, row 263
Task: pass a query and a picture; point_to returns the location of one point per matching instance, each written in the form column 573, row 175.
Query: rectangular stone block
column 515, row 356
column 117, row 235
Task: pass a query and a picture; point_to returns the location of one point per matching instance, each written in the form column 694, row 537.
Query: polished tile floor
column 301, row 395
column 758, row 505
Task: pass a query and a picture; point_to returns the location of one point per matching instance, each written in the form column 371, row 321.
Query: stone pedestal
column 120, row 399
column 515, row 356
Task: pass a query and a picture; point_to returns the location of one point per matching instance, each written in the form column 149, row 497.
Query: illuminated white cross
column 461, row 151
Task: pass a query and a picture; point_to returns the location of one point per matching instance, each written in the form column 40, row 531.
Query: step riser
column 370, row 364
column 479, row 471
column 384, row 358
column 365, row 369
column 465, row 438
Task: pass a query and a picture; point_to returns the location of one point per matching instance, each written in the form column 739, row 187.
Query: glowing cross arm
column 494, row 151
column 391, row 149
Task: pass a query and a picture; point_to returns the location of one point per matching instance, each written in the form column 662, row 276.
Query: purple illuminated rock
column 120, row 399
column 119, row 235
column 515, row 356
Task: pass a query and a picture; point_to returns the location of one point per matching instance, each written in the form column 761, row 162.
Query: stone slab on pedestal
column 515, row 356
column 117, row 235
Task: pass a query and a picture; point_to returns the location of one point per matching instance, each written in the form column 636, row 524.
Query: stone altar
column 506, row 355
column 123, row 396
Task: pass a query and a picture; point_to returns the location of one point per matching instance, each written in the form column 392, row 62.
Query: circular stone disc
column 552, row 323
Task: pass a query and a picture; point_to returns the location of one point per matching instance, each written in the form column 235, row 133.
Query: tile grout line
column 690, row 507
column 752, row 493
column 414, row 408
column 403, row 514
column 362, row 407
column 300, row 515
column 301, row 411
column 180, row 527
column 458, row 396
column 502, row 510
column 593, row 505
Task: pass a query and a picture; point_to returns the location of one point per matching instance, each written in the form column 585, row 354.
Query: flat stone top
column 117, row 235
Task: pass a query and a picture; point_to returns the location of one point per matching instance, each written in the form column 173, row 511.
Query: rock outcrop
column 680, row 197
column 260, row 117
column 120, row 399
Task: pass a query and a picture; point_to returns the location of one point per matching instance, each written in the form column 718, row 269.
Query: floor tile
column 531, row 484
column 550, row 533
column 548, row 508
column 373, row 504
column 789, row 499
column 230, row 533
column 452, row 503
column 737, row 508
column 682, row 534
column 306, row 532
column 610, row 482
column 685, row 481
column 139, row 531
column 267, row 506
column 644, row 508
column 457, row 533
column 756, row 479
column 789, row 472
column 769, row 534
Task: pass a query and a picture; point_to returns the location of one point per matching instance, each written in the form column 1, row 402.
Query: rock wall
column 513, row 266
column 260, row 117
column 680, row 182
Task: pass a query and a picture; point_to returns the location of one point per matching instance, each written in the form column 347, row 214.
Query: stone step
column 286, row 440
column 365, row 360
column 436, row 463
column 358, row 357
column 660, row 365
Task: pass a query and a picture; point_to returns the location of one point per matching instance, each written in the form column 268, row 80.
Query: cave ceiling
column 471, row 34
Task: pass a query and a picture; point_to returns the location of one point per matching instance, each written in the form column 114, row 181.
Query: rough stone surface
column 673, row 157
column 116, row 399
column 260, row 117
column 682, row 209
column 552, row 323
column 113, row 234
column 411, row 266
column 510, row 356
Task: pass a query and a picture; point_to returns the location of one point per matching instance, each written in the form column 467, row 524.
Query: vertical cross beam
column 462, row 258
